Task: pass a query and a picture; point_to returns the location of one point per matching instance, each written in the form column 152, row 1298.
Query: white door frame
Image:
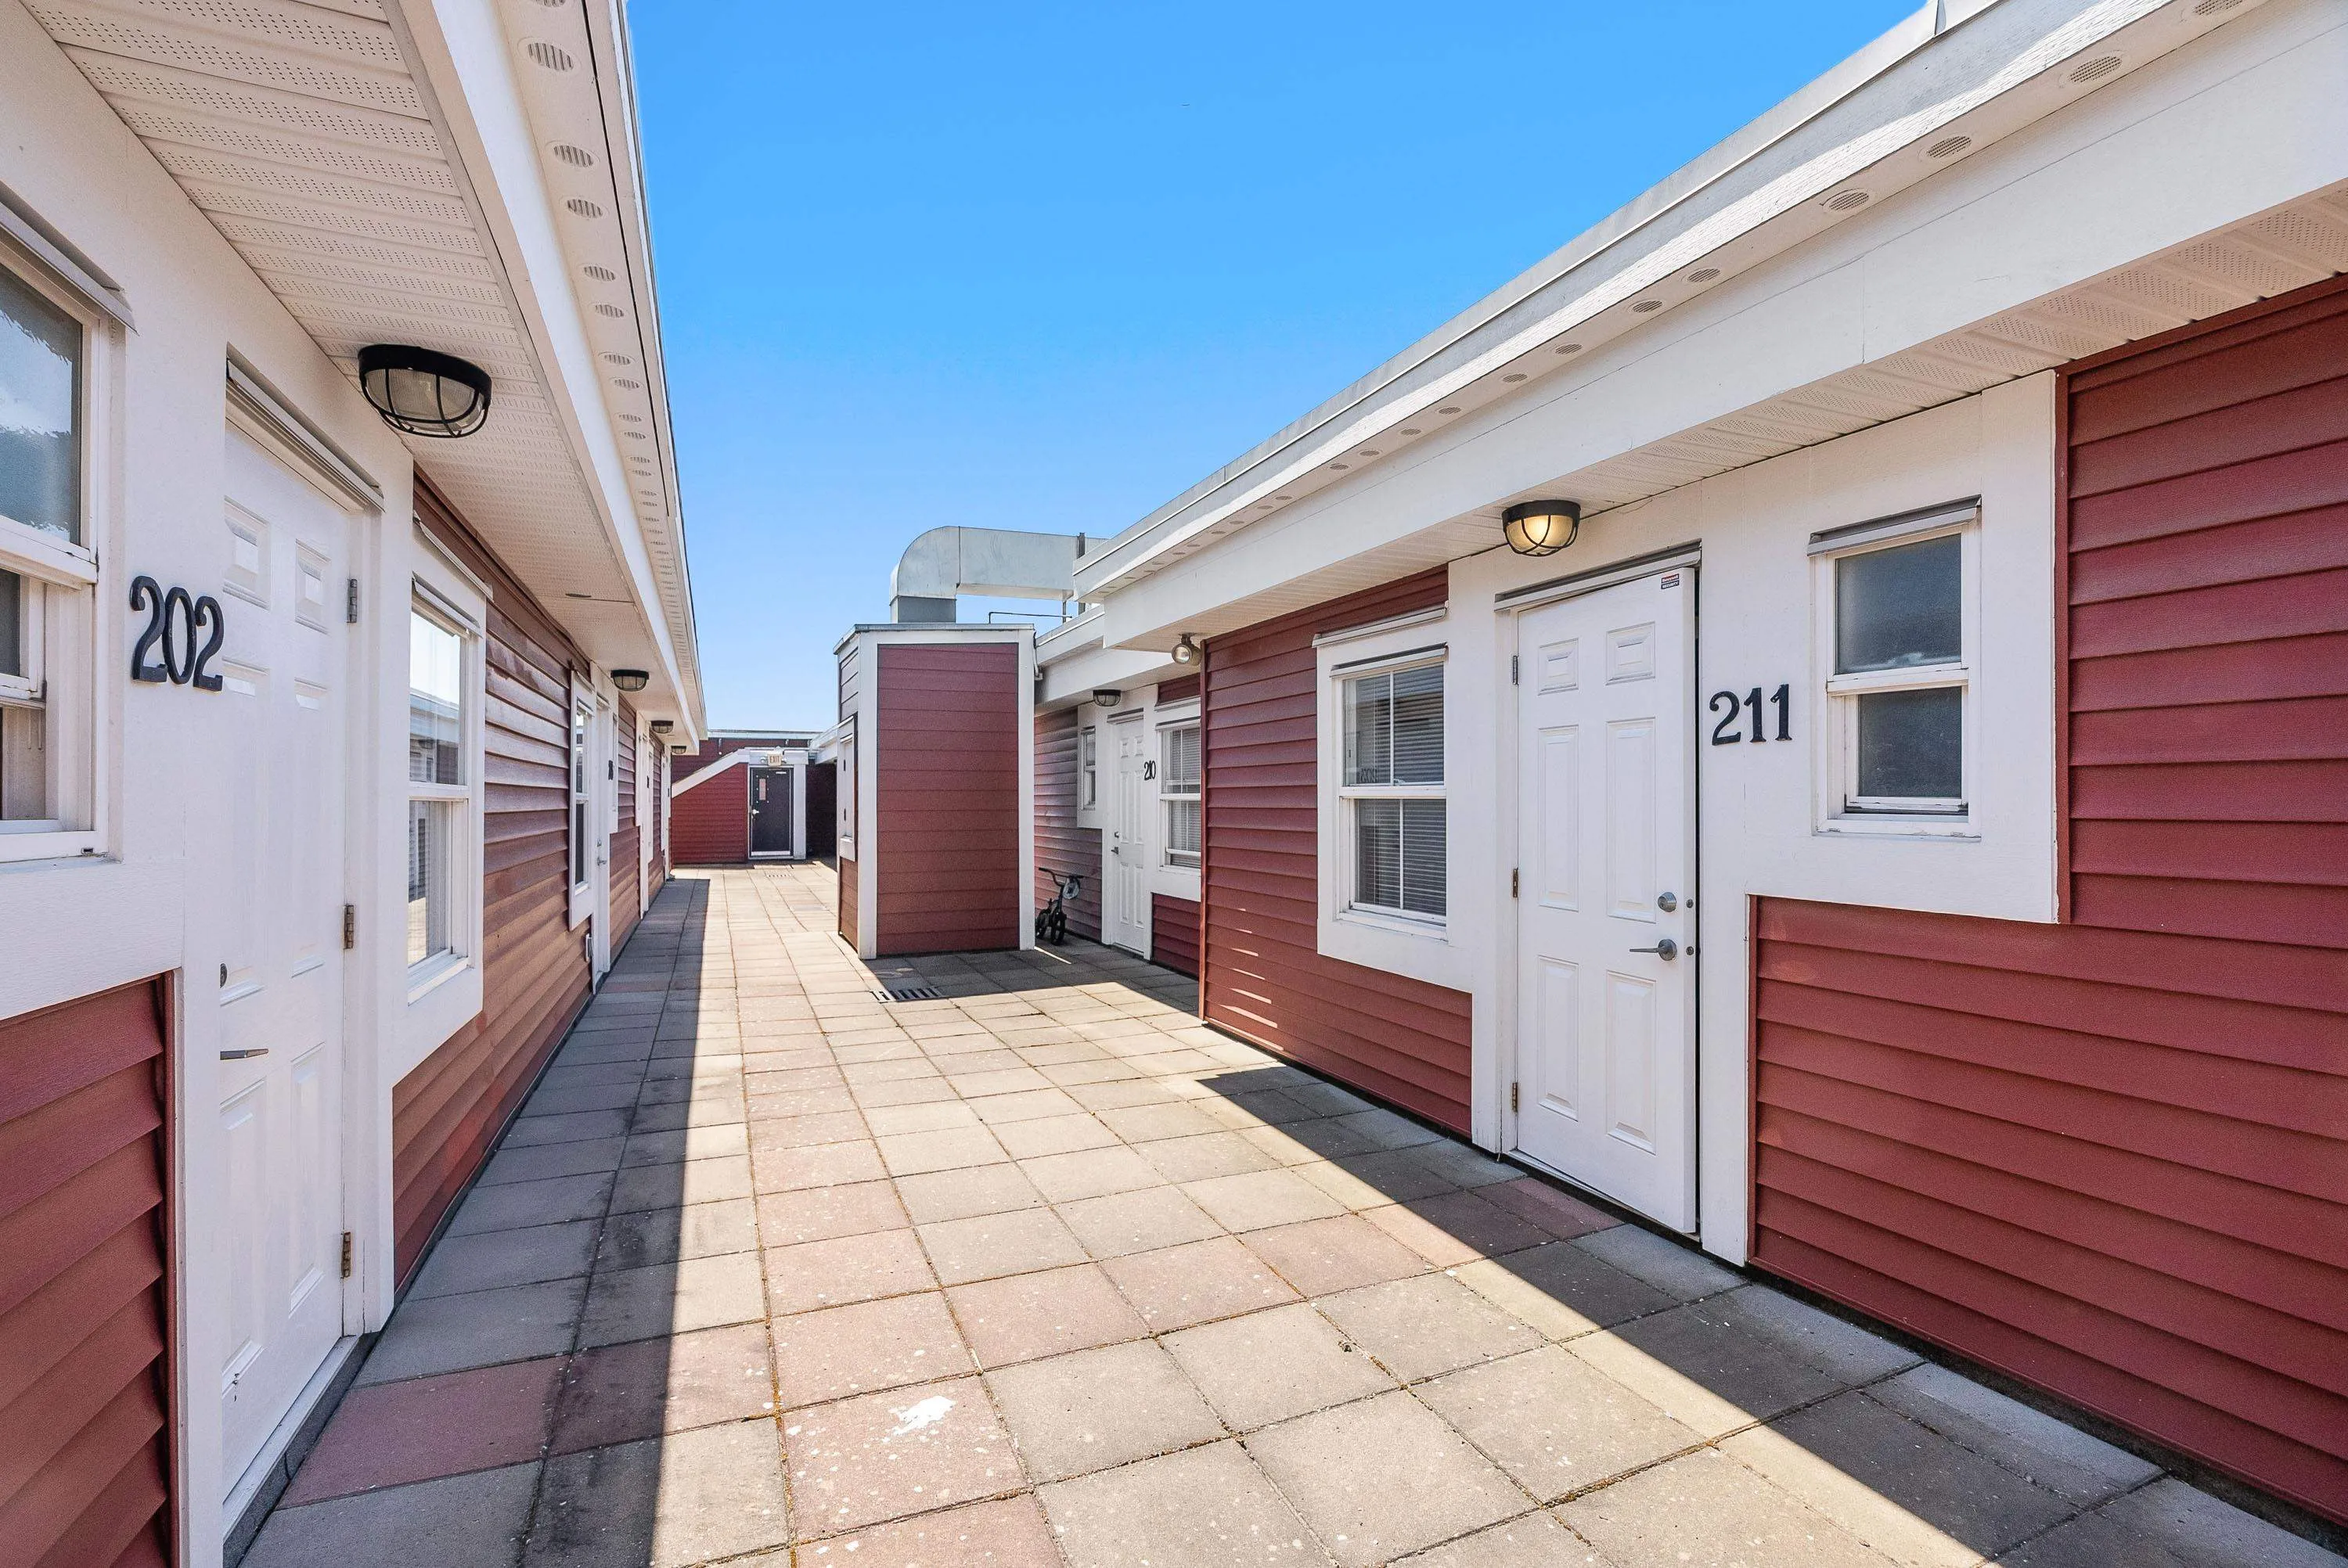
column 1511, row 836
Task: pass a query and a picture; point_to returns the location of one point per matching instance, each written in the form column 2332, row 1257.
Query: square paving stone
column 673, row 1298
column 480, row 1329
column 1709, row 1511
column 1009, row 1533
column 1901, row 1488
column 1711, row 1377
column 1561, row 1290
column 706, row 1142
column 2168, row 1525
column 1197, row 1282
column 883, row 1455
column 1840, row 1350
column 490, row 1259
column 845, row 1350
column 665, row 1235
column 1428, row 1324
column 1207, row 1507
column 947, row 1149
column 904, row 1091
column 682, row 1498
column 2055, row 1454
column 1487, row 1227
column 1555, row 1423
column 819, row 1214
column 622, row 1393
column 1388, row 1130
column 1260, row 1199
column 675, row 1187
column 989, row 1245
column 1053, row 1135
column 538, row 1161
column 1676, row 1270
column 1559, row 1213
column 821, row 1165
column 1320, row 1257
column 524, row 1204
column 1163, row 1119
column 1463, row 1164
column 961, row 1194
column 1208, row 1155
column 886, row 1121
column 1383, row 1477
column 1047, row 1314
column 788, row 1104
column 819, row 1274
column 529, row 1130
column 1528, row 1541
column 1270, row 1366
column 1086, row 1411
column 1028, row 1105
column 466, row 1521
column 805, row 1132
column 1141, row 1220
column 1091, row 1174
column 420, row 1429
column 1393, row 1173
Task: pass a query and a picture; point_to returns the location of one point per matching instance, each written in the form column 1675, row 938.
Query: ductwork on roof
column 999, row 563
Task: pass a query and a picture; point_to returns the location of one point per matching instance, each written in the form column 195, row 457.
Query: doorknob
column 1665, row 950
column 1667, row 902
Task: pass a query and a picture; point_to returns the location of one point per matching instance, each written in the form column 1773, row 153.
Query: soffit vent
column 601, row 274
column 1647, row 307
column 1848, row 201
column 2094, row 71
column 617, row 359
column 1704, row 274
column 553, row 57
column 613, row 312
column 576, row 156
column 584, row 208
column 2212, row 8
column 1949, row 146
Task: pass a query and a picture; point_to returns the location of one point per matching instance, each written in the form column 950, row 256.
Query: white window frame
column 1840, row 809
column 1177, row 722
column 66, row 617
column 1087, row 771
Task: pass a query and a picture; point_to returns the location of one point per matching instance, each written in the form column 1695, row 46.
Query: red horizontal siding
column 627, row 839
column 947, row 797
column 709, row 824
column 450, row 1107
column 1174, row 933
column 1181, row 689
column 85, row 1377
column 1062, row 848
column 1263, row 976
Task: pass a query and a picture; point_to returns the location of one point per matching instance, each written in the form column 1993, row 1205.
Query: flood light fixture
column 1186, row 651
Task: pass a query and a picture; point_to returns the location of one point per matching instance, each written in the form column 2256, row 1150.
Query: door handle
column 244, row 1055
column 1665, row 950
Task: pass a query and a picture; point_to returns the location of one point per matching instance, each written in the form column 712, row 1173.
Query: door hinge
column 350, row 601
column 1513, row 874
column 350, row 926
column 1512, row 668
column 1516, row 1098
column 347, row 1255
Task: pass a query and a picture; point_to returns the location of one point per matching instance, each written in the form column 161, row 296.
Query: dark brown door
column 770, row 811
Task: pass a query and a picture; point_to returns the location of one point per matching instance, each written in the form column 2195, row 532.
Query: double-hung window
column 49, row 572
column 1391, row 791
column 1087, row 769
column 1178, row 793
column 440, row 790
column 1899, row 661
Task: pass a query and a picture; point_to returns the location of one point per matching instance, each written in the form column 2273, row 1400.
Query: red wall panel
column 1174, row 933
column 709, row 824
column 1062, row 848
column 948, row 827
column 1263, row 979
column 2111, row 1156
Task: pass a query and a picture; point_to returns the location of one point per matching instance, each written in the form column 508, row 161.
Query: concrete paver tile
column 1708, row 1510
column 1428, row 1324
column 1840, row 1350
column 707, row 1143
column 1395, row 1174
column 1322, row 1256
column 1164, row 1119
column 947, row 1149
column 904, row 1091
column 819, row 1214
column 960, row 1194
column 421, row 1428
column 1383, row 1477
column 1271, row 1366
column 1029, row 1105
column 1711, row 1377
column 1561, row 1290
column 2168, row 1525
column 1018, row 1241
column 1063, row 1135
column 621, row 1393
column 887, row 1120
column 673, row 1298
column 1208, row 1155
column 536, row 1162
column 490, row 1259
column 2055, row 1454
column 664, row 1503
column 874, row 1345
column 1094, row 1409
column 1110, row 1095
column 805, row 1132
column 1555, row 1423
column 527, row 1203
column 1672, row 1268
column 1559, row 1213
column 466, row 1521
column 480, row 1328
column 882, row 1456
column 1196, row 1283
column 531, row 1128
column 1258, row 1199
column 1528, row 1541
column 1091, row 1174
column 809, row 1275
column 1049, row 1314
column 822, row 1165
column 1011, row 1532
column 783, row 1104
column 998, row 1080
column 676, row 1186
column 1208, row 1507
column 650, row 1236
column 1140, row 1221
column 1487, row 1227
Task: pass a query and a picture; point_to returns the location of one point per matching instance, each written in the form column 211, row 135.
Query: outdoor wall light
column 423, row 393
column 663, row 726
column 631, row 680
column 1186, row 651
column 1541, row 528
column 1107, row 698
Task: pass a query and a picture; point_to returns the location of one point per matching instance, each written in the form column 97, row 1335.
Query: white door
column 282, row 712
column 1124, row 906
column 1605, row 1008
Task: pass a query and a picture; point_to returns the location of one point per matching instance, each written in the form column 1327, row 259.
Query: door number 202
column 1723, row 733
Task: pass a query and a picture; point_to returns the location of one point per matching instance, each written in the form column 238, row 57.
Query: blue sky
column 1043, row 266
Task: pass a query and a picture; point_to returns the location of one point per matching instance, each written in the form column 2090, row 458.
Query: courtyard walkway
column 773, row 1272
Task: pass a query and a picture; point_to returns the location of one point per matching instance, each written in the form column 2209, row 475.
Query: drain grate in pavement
column 911, row 992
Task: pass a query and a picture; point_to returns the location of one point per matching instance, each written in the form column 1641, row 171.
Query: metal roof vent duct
column 999, row 563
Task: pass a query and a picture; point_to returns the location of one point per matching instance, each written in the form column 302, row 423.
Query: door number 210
column 1723, row 733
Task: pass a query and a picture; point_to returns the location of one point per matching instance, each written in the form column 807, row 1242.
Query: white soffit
column 2303, row 242
column 1893, row 116
column 301, row 131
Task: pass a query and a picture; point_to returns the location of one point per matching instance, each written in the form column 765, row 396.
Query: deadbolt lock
column 1667, row 902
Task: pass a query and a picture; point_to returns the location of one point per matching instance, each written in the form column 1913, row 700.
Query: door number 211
column 1723, row 733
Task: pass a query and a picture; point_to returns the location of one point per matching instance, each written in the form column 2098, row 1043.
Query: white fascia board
column 1077, row 678
column 466, row 69
column 2249, row 121
column 1756, row 194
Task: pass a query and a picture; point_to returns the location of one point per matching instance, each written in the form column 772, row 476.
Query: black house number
column 1723, row 733
column 174, row 621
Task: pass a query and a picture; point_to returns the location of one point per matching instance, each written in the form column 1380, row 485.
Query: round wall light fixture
column 423, row 392
column 1541, row 528
column 1107, row 698
column 631, row 680
column 663, row 726
column 1186, row 651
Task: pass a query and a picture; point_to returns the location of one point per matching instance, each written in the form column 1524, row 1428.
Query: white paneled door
column 282, row 709
column 1125, row 860
column 1606, row 988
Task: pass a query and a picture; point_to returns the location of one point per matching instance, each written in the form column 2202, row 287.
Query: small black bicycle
column 1052, row 919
